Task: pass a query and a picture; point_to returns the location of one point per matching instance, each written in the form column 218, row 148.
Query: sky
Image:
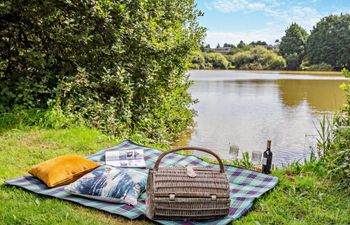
column 229, row 21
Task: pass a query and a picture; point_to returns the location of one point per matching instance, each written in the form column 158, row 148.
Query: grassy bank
column 302, row 196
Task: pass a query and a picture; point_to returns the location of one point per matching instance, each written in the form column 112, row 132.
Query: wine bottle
column 267, row 159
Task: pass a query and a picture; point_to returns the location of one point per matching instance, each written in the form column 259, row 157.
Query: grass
column 301, row 197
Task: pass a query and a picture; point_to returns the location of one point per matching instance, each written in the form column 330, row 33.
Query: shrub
column 258, row 58
column 292, row 61
column 118, row 65
column 334, row 142
column 197, row 60
column 277, row 63
column 230, row 59
column 216, row 60
column 320, row 67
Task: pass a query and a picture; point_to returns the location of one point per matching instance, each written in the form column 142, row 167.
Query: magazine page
column 122, row 158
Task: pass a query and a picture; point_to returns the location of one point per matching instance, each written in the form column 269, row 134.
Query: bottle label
column 264, row 162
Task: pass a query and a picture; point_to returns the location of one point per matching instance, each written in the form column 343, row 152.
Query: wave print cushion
column 111, row 184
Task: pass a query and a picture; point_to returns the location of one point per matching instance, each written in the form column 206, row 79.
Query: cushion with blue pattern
column 111, row 184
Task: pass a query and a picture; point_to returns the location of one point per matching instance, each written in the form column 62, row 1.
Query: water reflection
column 248, row 108
column 322, row 95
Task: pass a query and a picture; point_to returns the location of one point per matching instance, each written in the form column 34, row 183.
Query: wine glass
column 256, row 157
column 233, row 152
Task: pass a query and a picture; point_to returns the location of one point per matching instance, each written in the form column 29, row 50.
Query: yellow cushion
column 62, row 170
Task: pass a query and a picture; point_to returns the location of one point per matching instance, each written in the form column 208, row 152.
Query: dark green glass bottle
column 267, row 159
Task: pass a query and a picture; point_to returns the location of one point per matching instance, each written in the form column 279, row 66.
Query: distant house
column 222, row 50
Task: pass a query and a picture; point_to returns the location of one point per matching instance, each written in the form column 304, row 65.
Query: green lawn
column 298, row 199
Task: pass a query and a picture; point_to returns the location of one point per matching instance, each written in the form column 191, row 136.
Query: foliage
column 334, row 142
column 215, row 60
column 244, row 162
column 22, row 119
column 118, row 65
column 229, row 45
column 197, row 60
column 258, row 58
column 258, row 43
column 329, row 41
column 292, row 46
column 230, row 59
column 320, row 67
column 292, row 61
column 241, row 44
column 248, row 57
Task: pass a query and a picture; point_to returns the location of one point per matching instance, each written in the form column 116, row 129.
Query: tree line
column 325, row 48
column 245, row 58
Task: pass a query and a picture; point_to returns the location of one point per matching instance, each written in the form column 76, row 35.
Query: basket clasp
column 190, row 171
column 172, row 197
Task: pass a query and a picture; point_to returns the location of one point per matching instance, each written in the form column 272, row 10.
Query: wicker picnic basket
column 187, row 193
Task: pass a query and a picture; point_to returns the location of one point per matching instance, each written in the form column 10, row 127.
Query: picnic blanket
column 245, row 186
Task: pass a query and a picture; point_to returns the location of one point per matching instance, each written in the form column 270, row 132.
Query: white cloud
column 256, row 6
column 281, row 14
column 283, row 11
column 304, row 16
column 227, row 6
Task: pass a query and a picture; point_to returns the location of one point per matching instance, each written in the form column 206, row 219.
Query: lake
column 247, row 108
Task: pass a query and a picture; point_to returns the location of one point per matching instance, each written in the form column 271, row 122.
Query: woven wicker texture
column 187, row 193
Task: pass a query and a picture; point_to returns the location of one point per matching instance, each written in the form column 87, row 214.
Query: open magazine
column 125, row 158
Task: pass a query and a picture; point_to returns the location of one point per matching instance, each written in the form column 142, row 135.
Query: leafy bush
column 197, row 60
column 292, row 61
column 216, row 60
column 258, row 58
column 334, row 142
column 230, row 59
column 117, row 65
column 320, row 67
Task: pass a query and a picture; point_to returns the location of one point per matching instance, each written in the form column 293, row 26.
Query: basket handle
column 156, row 165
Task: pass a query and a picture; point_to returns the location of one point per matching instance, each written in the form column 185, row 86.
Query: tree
column 216, row 60
column 293, row 43
column 229, row 45
column 258, row 58
column 119, row 65
column 241, row 44
column 197, row 60
column 292, row 61
column 258, row 43
column 329, row 41
column 218, row 46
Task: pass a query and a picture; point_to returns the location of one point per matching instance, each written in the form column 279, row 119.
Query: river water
column 247, row 108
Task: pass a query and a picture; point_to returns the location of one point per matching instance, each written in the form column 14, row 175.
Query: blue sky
column 233, row 20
